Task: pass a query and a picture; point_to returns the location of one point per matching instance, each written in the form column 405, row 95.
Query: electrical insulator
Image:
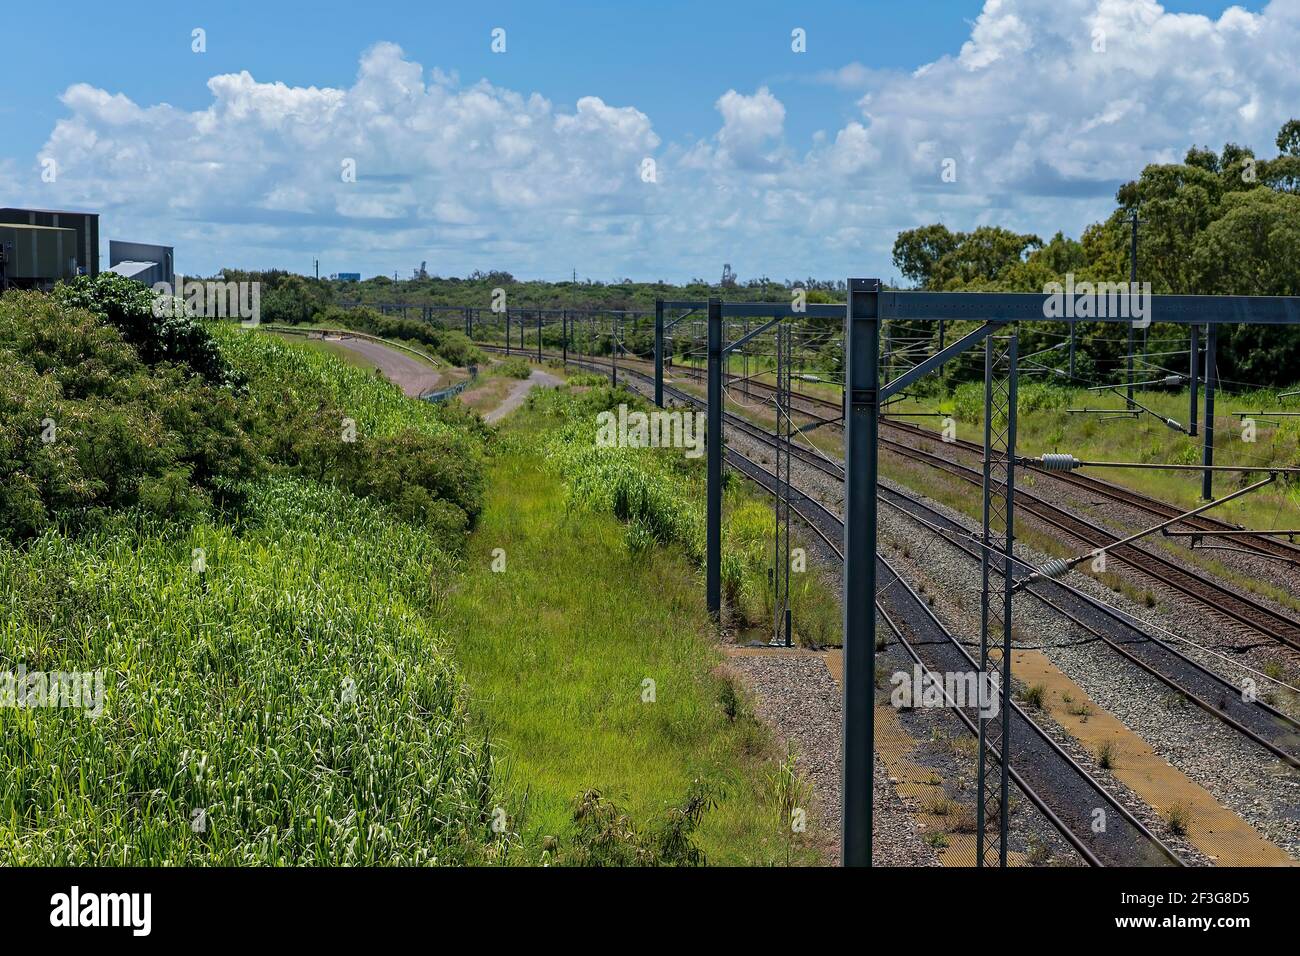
column 1173, row 380
column 1054, row 568
column 1056, row 462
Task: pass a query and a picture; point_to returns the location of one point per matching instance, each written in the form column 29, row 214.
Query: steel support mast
column 713, row 440
column 861, row 431
column 998, row 537
column 659, row 353
column 1211, row 383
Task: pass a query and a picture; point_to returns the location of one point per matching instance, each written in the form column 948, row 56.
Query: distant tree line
column 1225, row 222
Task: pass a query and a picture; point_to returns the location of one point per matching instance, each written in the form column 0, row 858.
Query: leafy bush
column 514, row 368
column 456, row 348
column 87, row 426
column 434, row 478
column 128, row 307
column 326, row 728
column 287, row 298
column 660, row 495
column 1042, row 396
column 334, row 423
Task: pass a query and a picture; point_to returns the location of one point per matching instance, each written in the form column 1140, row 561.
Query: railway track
column 1214, row 597
column 1260, row 722
column 1086, row 484
column 1062, row 790
column 1153, row 506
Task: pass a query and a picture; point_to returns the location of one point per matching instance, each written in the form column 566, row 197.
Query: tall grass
column 293, row 698
column 557, row 649
column 660, row 494
column 277, row 690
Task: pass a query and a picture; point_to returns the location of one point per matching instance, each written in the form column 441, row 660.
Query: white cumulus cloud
column 1046, row 107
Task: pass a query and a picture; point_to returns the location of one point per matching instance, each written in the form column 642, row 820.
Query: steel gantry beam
column 1211, row 383
column 784, row 426
column 1036, row 306
column 1132, row 280
column 718, row 350
column 1194, row 375
column 938, row 359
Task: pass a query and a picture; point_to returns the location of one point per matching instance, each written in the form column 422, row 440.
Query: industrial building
column 142, row 261
column 39, row 247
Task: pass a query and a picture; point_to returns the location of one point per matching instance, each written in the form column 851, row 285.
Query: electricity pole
column 1132, row 285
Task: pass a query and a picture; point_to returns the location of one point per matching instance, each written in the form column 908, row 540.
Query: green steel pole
column 861, row 432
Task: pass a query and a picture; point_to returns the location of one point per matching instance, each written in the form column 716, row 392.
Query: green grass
column 378, row 405
column 557, row 649
column 292, row 693
column 661, row 494
column 1044, row 425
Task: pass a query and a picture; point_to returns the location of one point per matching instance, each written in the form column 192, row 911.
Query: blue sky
column 782, row 163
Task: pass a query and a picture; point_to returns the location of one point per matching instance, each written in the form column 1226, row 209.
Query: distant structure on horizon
column 142, row 261
column 44, row 246
column 348, row 276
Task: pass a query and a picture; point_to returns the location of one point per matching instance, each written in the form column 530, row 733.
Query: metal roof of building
column 50, row 212
column 28, row 226
column 132, row 269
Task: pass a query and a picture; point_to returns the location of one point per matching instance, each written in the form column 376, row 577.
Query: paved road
column 519, row 390
column 414, row 376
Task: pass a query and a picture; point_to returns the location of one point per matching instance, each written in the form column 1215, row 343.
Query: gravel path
column 1239, row 774
column 519, row 391
column 414, row 377
column 1184, row 615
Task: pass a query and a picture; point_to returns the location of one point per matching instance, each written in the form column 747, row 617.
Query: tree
column 1288, row 138
column 917, row 251
column 1253, row 248
column 936, row 258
